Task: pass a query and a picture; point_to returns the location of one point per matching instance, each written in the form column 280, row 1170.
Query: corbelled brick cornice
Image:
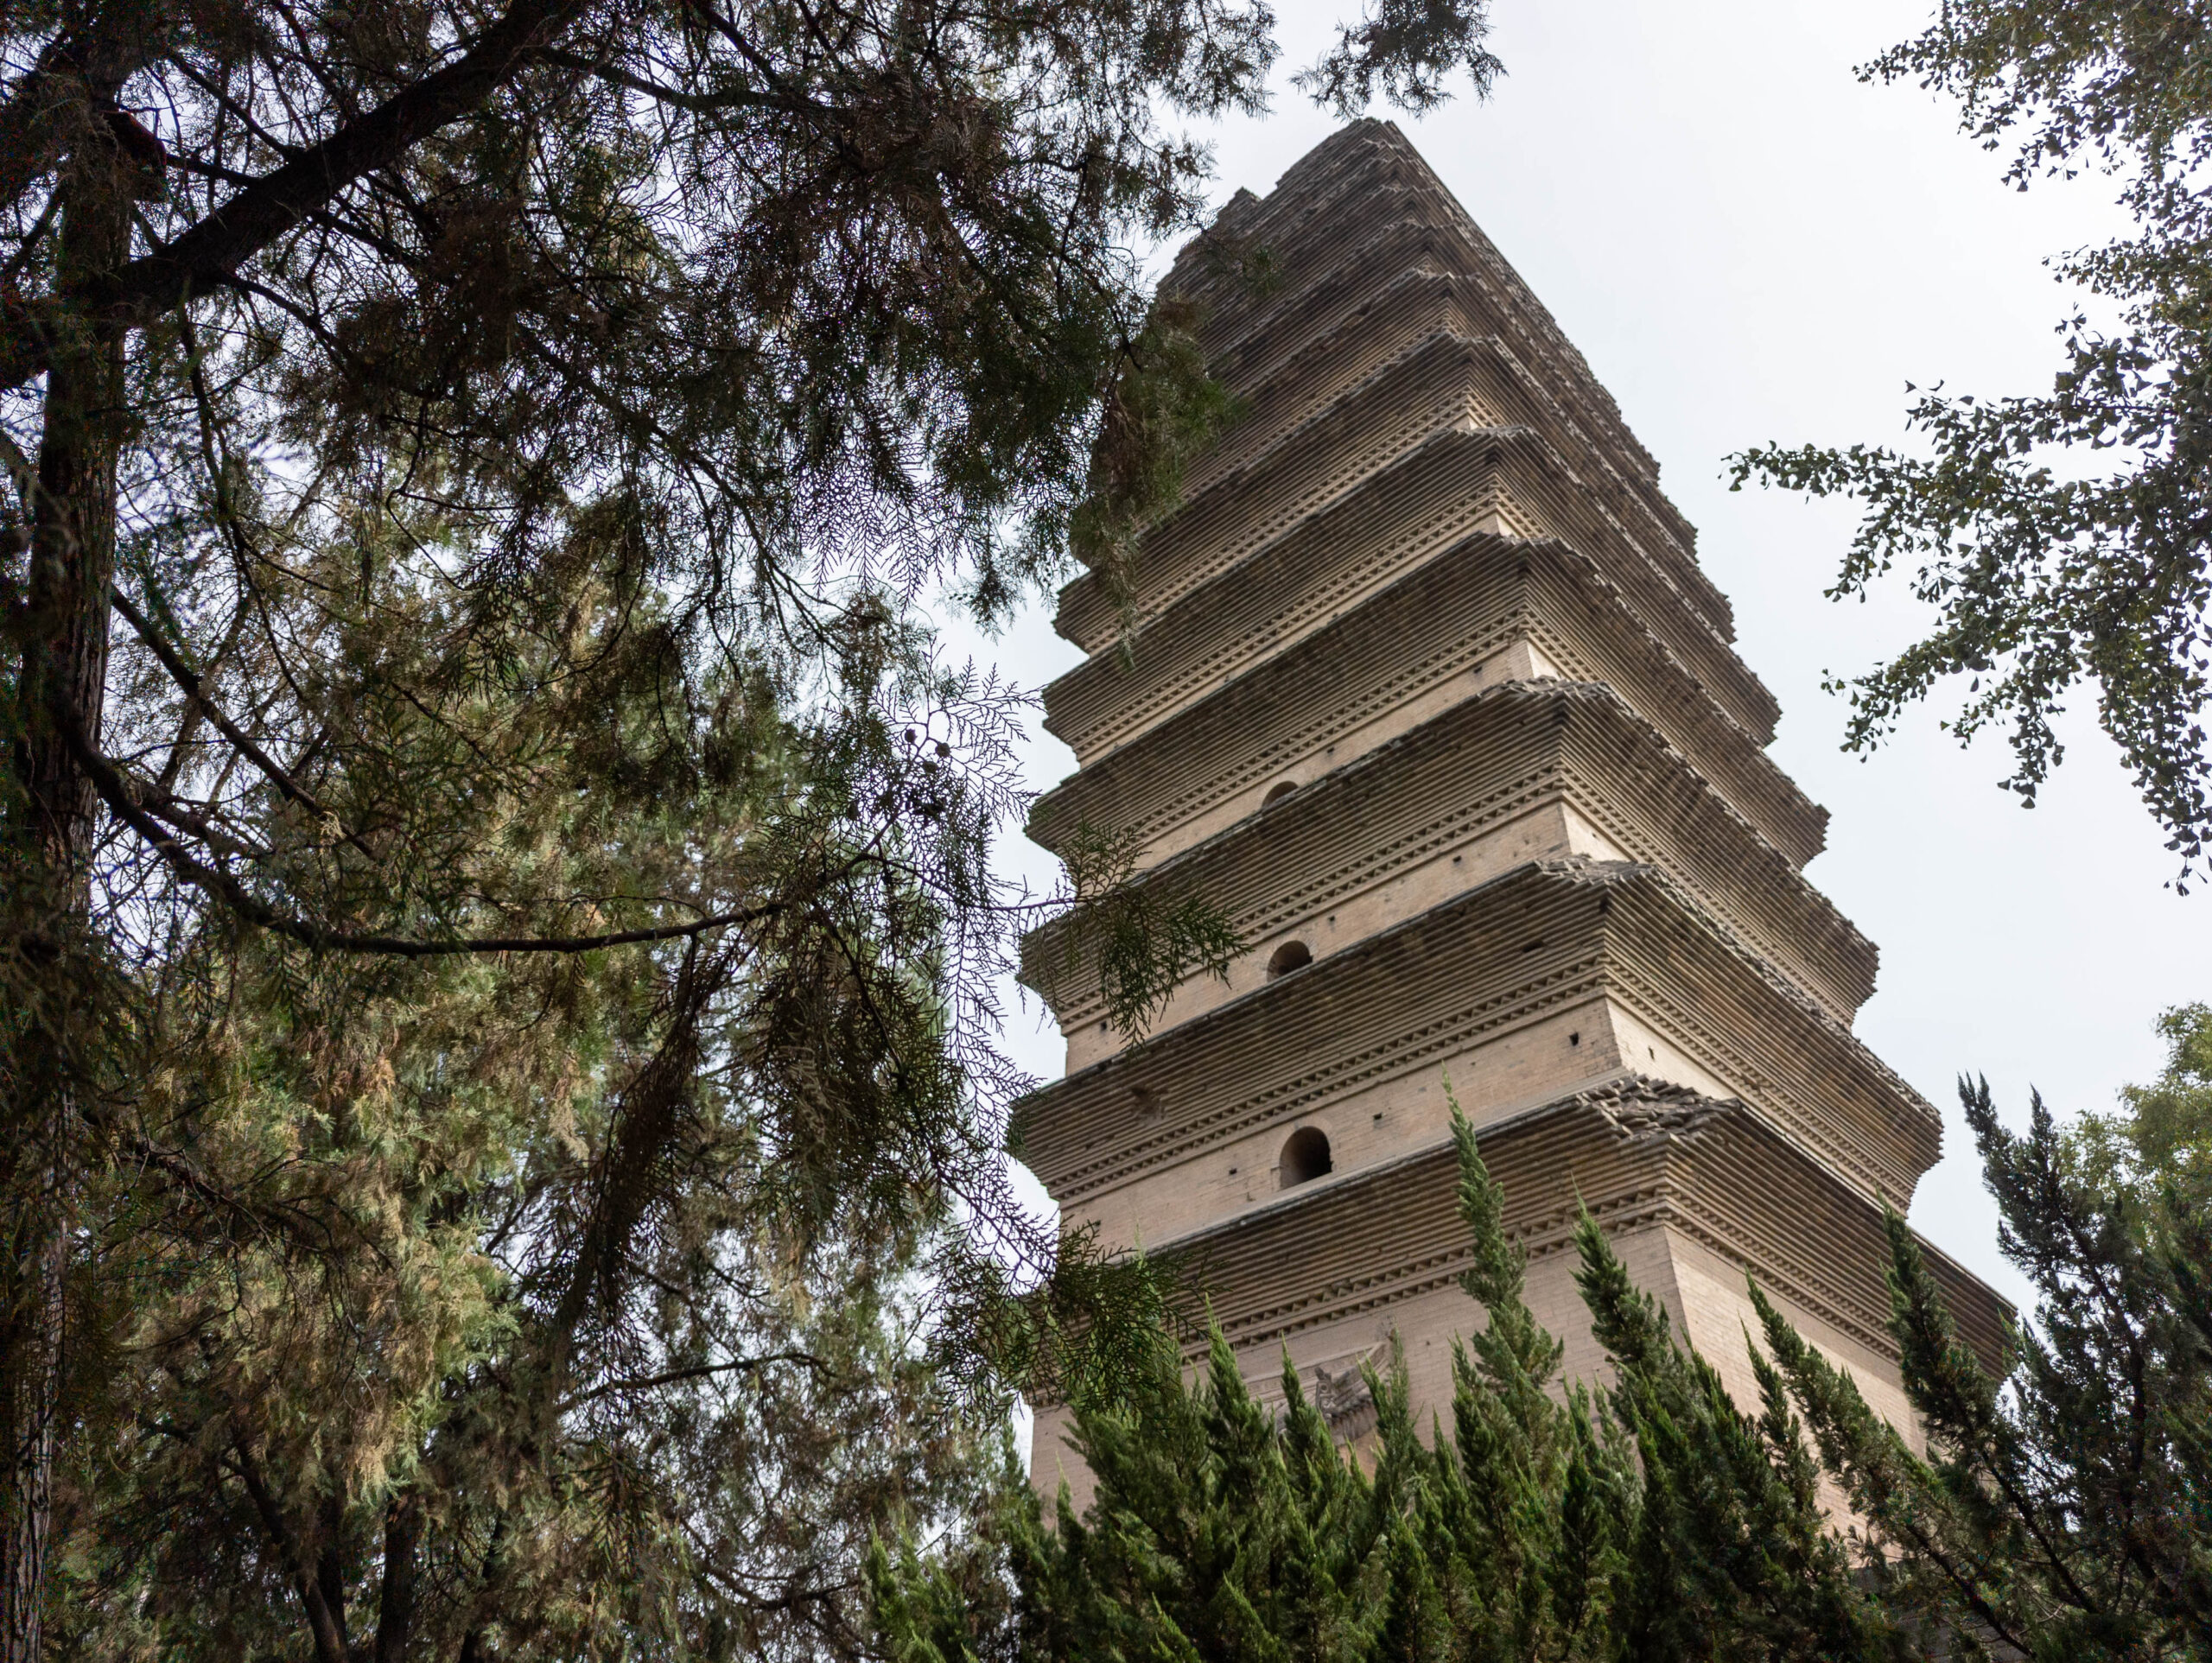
column 1634, row 1150
column 1366, row 328
column 1479, row 765
column 1356, row 183
column 1444, row 420
column 1537, row 940
column 1412, row 639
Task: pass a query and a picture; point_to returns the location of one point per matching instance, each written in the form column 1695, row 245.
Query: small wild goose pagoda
column 1428, row 692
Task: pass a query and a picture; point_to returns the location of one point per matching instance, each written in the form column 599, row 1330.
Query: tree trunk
column 402, row 1539
column 62, row 680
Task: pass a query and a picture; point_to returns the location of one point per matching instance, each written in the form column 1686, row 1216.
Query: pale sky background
column 1748, row 243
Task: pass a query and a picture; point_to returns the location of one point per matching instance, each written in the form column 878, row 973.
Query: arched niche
column 1305, row 1157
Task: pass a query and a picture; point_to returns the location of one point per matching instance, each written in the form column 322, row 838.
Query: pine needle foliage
column 550, row 1303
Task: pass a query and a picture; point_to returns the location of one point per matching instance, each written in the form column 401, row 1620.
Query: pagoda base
column 1697, row 1195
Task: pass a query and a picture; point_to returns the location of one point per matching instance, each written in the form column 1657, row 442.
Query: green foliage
column 2060, row 538
column 552, row 1302
column 2060, row 1512
column 1728, row 1553
column 1649, row 1519
column 1408, row 47
column 2164, row 1135
column 1135, row 945
column 500, row 1128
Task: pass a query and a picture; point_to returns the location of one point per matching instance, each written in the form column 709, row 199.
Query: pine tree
column 474, row 749
column 442, row 1305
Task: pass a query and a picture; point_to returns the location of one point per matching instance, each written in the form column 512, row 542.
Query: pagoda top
column 1357, row 180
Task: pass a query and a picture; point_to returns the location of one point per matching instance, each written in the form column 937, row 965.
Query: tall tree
column 509, row 440
column 2063, row 538
column 2064, row 1509
column 433, row 1305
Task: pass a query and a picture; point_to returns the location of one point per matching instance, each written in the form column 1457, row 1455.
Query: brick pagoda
column 1427, row 690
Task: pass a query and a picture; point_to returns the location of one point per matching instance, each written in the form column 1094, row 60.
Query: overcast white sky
column 1748, row 243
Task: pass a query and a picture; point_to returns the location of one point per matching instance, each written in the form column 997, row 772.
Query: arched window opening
column 1291, row 956
column 1306, row 1157
column 1276, row 792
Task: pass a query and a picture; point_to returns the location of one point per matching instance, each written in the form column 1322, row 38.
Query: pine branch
column 206, row 258
column 121, row 798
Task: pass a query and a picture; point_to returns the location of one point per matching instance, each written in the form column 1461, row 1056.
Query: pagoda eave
column 1435, row 635
column 1457, row 800
column 1364, row 1032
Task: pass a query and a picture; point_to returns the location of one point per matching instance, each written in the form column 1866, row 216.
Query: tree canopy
column 2063, row 538
column 2160, row 1138
column 496, row 935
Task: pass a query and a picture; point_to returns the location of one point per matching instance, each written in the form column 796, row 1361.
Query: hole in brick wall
column 1305, row 1158
column 1291, row 956
column 1276, row 792
column 1574, row 1039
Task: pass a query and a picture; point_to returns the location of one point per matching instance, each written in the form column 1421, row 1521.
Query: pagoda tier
column 1555, row 973
column 1341, row 225
column 1336, row 345
column 1422, row 688
column 1484, row 610
column 1692, row 1190
column 1361, row 503
column 1525, row 769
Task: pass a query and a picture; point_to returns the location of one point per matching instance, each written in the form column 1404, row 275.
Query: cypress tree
column 1650, row 1519
column 2064, row 1508
column 2060, row 1510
